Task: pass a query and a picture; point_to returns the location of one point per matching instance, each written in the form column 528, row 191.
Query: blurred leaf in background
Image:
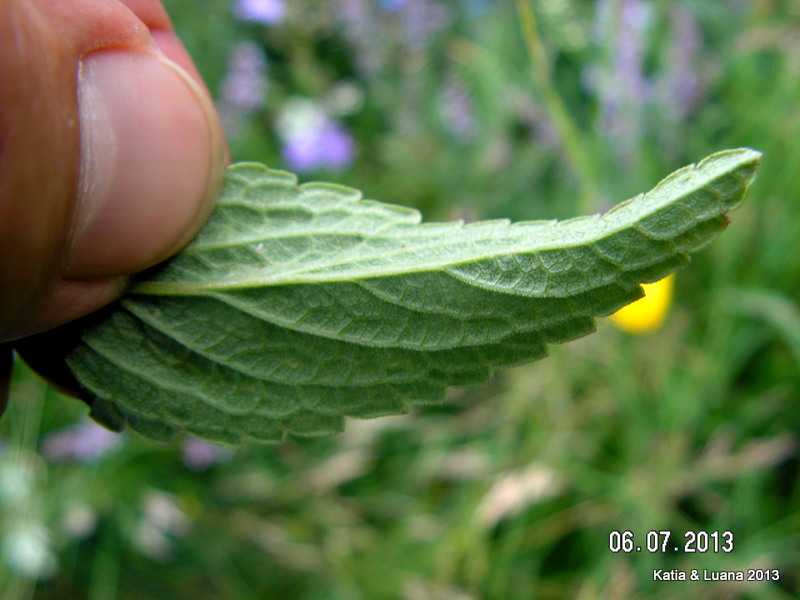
column 512, row 490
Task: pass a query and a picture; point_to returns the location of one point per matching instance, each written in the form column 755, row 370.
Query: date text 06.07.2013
column 628, row 542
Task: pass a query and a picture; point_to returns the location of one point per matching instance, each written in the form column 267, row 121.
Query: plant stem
column 574, row 143
column 105, row 569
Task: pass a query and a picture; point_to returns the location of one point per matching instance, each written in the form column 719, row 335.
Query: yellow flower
column 648, row 313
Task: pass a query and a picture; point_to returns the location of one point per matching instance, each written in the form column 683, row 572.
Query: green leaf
column 298, row 305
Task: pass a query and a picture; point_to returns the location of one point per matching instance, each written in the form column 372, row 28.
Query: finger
column 112, row 155
column 6, row 364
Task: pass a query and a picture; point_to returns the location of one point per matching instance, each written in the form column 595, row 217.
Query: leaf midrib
column 587, row 231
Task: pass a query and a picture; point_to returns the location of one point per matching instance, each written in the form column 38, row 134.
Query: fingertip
column 152, row 162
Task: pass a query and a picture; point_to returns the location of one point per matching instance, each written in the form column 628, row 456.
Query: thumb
column 150, row 152
column 112, row 154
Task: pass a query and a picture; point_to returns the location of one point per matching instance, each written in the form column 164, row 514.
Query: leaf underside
column 298, row 305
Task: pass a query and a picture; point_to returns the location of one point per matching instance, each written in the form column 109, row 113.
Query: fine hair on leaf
column 299, row 305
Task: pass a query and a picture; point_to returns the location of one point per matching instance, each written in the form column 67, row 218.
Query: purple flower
column 681, row 88
column 620, row 83
column 244, row 87
column 199, row 455
column 359, row 20
column 458, row 108
column 412, row 23
column 391, row 5
column 84, row 442
column 267, row 12
column 422, row 20
column 634, row 21
column 312, row 140
column 329, row 147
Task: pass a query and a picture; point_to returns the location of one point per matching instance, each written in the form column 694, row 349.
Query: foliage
column 297, row 306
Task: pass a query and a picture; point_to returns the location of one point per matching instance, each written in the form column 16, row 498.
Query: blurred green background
column 511, row 490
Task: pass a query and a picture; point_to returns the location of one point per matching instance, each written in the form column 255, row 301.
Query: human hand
column 111, row 155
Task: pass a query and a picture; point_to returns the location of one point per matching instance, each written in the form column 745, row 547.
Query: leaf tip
column 744, row 161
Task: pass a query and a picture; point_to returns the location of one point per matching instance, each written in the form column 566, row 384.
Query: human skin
column 111, row 156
